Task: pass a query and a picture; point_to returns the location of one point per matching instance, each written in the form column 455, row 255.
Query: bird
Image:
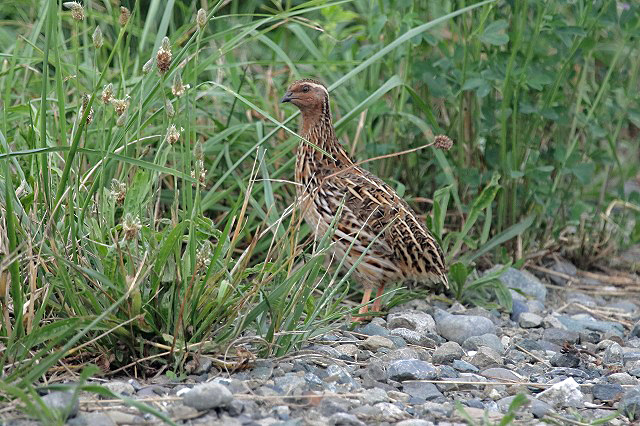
column 373, row 218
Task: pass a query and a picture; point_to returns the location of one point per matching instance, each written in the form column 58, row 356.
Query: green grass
column 117, row 242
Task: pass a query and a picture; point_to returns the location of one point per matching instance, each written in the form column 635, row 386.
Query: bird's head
column 307, row 94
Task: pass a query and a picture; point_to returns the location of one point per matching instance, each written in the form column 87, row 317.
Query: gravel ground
column 575, row 354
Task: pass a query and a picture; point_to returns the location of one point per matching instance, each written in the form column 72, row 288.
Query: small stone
column 411, row 369
column 518, row 307
column 499, row 373
column 447, row 353
column 120, row 388
column 199, row 365
column 291, row 383
column 401, row 353
column 422, row 390
column 62, row 403
column 373, row 330
column 565, row 267
column 394, row 396
column 374, row 343
column 206, row 396
column 523, row 281
column 348, row 349
column 565, row 360
column 464, row 366
column 390, row 412
column 538, row 408
column 635, row 331
column 486, row 357
column 459, row 328
column 530, row 320
column 345, row 419
column 569, row 372
column 413, row 337
column 563, row 394
column 415, row 422
column 630, row 403
column 282, row 412
column 412, row 320
column 91, row 419
column 559, row 336
column 607, row 392
column 375, row 395
column 490, row 340
column 613, row 355
column 622, row 379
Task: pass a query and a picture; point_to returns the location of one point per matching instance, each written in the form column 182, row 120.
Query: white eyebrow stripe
column 318, row 86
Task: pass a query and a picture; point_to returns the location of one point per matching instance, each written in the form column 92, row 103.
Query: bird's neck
column 317, row 128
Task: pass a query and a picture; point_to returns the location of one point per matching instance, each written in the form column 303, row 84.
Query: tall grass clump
column 147, row 206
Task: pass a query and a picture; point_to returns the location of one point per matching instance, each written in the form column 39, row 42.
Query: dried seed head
column 173, row 135
column 198, row 151
column 124, row 16
column 146, row 68
column 97, row 38
column 85, row 102
column 131, row 227
column 443, row 142
column 107, row 93
column 118, row 191
column 163, row 57
column 178, row 88
column 121, row 105
column 201, row 18
column 168, row 107
column 121, row 120
column 77, row 10
column 201, row 173
column 203, row 256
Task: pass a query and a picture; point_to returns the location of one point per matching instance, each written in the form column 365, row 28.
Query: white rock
column 564, row 394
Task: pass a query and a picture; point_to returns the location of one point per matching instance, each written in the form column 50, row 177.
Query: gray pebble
column 523, row 281
column 607, row 391
column 563, row 394
column 486, row 357
column 613, row 355
column 559, row 336
column 622, row 379
column 91, row 419
column 413, row 337
column 630, row 403
column 447, row 353
column 564, row 267
column 61, row 402
column 421, row 390
column 500, row 373
column 345, row 419
column 374, row 343
column 412, row 320
column 206, row 396
column 530, row 320
column 564, row 360
column 464, row 366
column 411, row 369
column 373, row 330
column 459, row 328
column 489, row 339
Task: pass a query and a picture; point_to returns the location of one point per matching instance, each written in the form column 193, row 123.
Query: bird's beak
column 286, row 98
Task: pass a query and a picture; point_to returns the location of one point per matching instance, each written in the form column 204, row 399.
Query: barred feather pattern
column 374, row 218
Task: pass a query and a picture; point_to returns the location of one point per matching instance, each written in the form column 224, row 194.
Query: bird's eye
column 305, row 89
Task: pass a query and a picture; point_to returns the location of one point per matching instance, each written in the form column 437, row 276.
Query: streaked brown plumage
column 404, row 249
